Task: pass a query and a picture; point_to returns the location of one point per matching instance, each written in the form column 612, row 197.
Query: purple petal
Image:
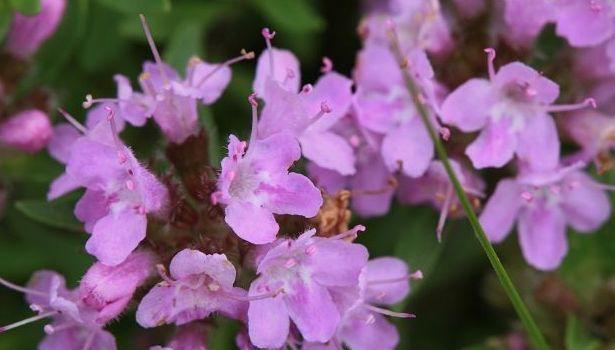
column 275, row 153
column 193, row 262
column 525, row 20
column 500, row 212
column 377, row 68
column 585, row 205
column 250, row 222
column 313, row 311
column 334, row 89
column 292, row 194
column 156, row 74
column 379, row 276
column 468, row 106
column 329, row 151
column 582, row 25
column 43, row 281
column 410, row 146
column 284, row 62
column 495, row 145
column 92, row 163
column 177, row 117
column 64, row 136
column 372, row 184
column 284, row 112
column 268, row 320
column 517, row 73
column 62, row 185
column 538, row 143
column 331, row 181
column 361, row 334
column 542, row 236
column 212, row 87
column 93, row 206
column 116, row 235
column 348, row 258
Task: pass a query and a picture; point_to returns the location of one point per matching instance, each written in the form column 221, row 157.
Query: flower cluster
column 252, row 238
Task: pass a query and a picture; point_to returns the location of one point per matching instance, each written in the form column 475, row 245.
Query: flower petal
column 582, row 25
column 292, row 194
column 538, row 143
column 313, row 311
column 116, row 235
column 494, row 147
column 361, row 334
column 542, row 236
column 268, row 321
column 384, row 269
column 329, row 151
column 410, row 146
column 284, row 63
column 501, row 210
column 467, row 107
column 586, row 206
column 348, row 258
column 250, row 222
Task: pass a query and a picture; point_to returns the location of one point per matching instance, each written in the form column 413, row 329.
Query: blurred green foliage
column 456, row 305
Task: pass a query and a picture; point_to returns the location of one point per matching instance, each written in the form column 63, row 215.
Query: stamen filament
column 490, row 58
column 22, row 289
column 254, row 104
column 73, row 121
column 572, row 107
column 244, row 56
column 389, row 312
column 444, row 212
column 152, row 46
column 273, row 294
column 27, row 320
column 352, row 232
column 417, row 275
column 268, row 35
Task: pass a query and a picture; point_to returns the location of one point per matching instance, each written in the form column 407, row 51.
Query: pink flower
column 120, row 192
column 511, row 110
column 295, row 281
column 28, row 131
column 188, row 337
column 199, row 284
column 74, row 327
column 27, row 33
column 255, row 184
column 108, row 289
column 543, row 203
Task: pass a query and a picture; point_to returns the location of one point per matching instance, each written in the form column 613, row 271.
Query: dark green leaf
column 577, row 338
column 290, row 16
column 134, row 7
column 185, row 42
column 58, row 213
column 26, row 7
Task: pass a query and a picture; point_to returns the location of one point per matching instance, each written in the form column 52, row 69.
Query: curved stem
column 529, row 324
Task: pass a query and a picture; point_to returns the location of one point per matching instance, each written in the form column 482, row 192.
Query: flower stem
column 526, row 318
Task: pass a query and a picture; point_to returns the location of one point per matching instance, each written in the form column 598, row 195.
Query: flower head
column 198, row 285
column 511, row 110
column 29, row 131
column 119, row 194
column 295, row 278
column 255, row 184
column 543, row 203
column 27, row 33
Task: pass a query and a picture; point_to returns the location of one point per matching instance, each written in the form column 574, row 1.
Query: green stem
column 524, row 314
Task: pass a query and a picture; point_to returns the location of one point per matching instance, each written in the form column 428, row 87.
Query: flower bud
column 27, row 33
column 29, row 131
column 109, row 288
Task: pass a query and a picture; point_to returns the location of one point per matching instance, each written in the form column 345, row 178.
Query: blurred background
column 459, row 304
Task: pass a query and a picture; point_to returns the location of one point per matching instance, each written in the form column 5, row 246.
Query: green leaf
column 185, row 42
column 134, row 7
column 5, row 19
column 26, row 7
column 290, row 16
column 578, row 338
column 58, row 213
